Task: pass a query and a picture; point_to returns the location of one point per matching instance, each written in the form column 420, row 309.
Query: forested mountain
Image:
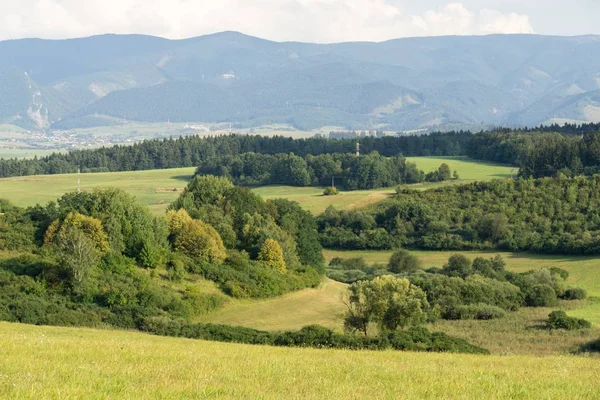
column 229, row 77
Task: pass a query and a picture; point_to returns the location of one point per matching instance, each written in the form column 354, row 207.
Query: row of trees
column 540, row 154
column 367, row 172
column 526, row 148
column 549, row 215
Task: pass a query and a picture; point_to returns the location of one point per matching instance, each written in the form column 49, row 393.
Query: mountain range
column 402, row 84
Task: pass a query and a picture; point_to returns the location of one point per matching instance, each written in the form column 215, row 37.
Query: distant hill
column 400, row 84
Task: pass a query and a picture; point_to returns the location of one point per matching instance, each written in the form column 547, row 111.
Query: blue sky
column 302, row 20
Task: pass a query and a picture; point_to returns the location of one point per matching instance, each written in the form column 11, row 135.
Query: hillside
column 48, row 362
column 229, row 77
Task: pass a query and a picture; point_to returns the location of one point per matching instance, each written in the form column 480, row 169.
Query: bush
column 414, row 339
column 560, row 320
column 574, row 294
column 330, row 191
column 541, row 296
column 458, row 265
column 480, row 311
column 591, row 347
column 403, row 262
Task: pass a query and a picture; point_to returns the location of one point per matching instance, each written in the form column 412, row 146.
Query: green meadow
column 38, row 362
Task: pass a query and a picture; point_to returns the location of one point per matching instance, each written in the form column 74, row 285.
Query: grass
column 158, row 188
column 50, row 362
column 24, row 152
column 321, row 306
column 468, row 170
column 312, row 199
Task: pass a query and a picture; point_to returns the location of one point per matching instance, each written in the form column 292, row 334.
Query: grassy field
column 48, row 362
column 468, row 170
column 24, row 152
column 158, row 188
column 321, row 306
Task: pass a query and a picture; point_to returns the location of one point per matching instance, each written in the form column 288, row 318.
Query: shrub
column 479, row 311
column 402, row 261
column 574, row 294
column 591, row 347
column 458, row 265
column 560, row 320
column 541, row 296
column 176, row 269
column 330, row 191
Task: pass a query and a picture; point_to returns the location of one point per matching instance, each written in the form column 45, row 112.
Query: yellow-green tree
column 90, row 227
column 271, row 254
column 79, row 241
column 195, row 238
column 176, row 220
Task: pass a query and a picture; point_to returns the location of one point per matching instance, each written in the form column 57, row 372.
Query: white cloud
column 305, row 20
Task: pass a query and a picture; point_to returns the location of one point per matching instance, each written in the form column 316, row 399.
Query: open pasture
column 50, row 362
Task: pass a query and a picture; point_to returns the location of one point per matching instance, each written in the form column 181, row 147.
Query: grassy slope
column 321, row 306
column 49, row 362
column 151, row 187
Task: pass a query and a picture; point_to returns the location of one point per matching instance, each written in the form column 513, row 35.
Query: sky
column 322, row 21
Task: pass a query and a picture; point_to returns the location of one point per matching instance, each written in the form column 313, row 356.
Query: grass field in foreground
column 49, row 362
column 158, row 188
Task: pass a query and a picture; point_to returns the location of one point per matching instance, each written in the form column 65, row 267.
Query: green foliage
column 544, row 216
column 389, row 302
column 574, row 294
column 302, row 226
column 354, row 269
column 176, row 268
column 403, row 262
column 458, row 265
column 129, row 225
column 365, row 172
column 541, row 295
column 480, row 311
column 271, row 255
column 414, row 339
column 450, row 294
column 195, row 238
column 441, row 174
column 331, row 191
column 560, row 320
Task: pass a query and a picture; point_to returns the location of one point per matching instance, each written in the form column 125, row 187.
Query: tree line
column 371, row 171
column 548, row 215
column 501, row 145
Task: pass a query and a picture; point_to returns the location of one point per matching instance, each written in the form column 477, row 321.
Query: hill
column 46, row 362
column 403, row 84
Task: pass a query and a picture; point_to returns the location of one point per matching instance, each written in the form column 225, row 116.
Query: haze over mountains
column 403, row 84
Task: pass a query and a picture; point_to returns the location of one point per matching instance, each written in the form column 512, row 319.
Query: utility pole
column 78, row 180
